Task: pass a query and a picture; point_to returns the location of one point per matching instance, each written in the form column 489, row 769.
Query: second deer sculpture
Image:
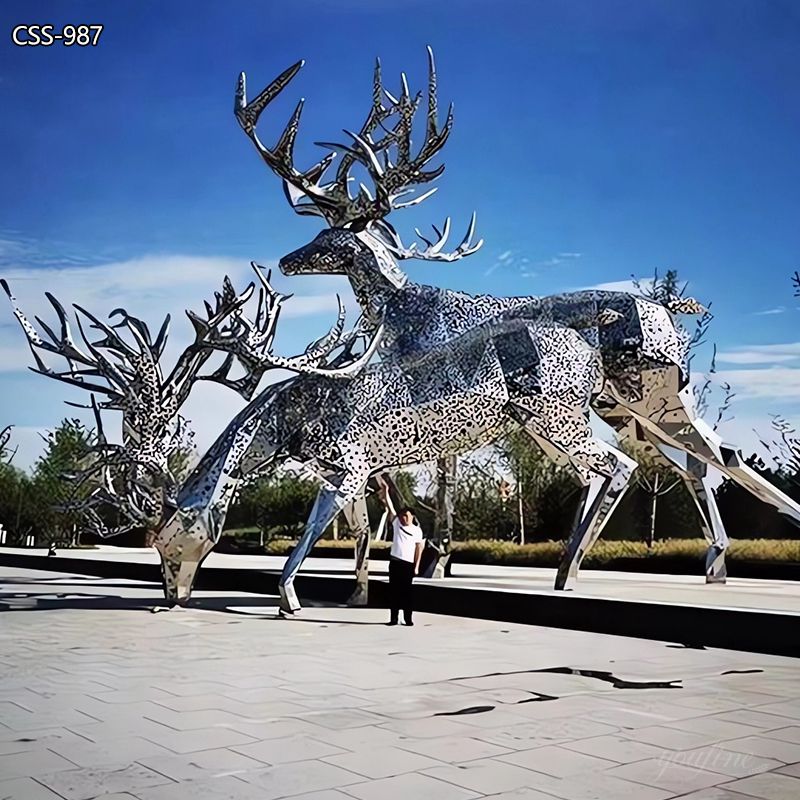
column 629, row 350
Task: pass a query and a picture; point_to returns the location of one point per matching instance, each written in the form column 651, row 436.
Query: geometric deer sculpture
column 641, row 387
column 123, row 367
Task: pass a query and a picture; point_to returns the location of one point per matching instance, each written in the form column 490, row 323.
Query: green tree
column 654, row 478
column 276, row 504
column 482, row 511
column 547, row 494
column 68, row 449
column 17, row 502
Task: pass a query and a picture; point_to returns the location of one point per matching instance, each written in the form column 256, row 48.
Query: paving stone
column 485, row 775
column 790, row 769
column 326, row 794
column 278, row 728
column 284, row 751
column 356, row 738
column 544, row 732
column 222, row 788
column 713, row 726
column 193, row 720
column 404, row 787
column 117, row 751
column 338, row 719
column 432, row 728
column 757, row 719
column 557, row 761
column 628, row 717
column 16, row 742
column 671, row 738
column 201, row 765
column 82, row 784
column 769, row 786
column 299, row 777
column 598, row 786
column 716, row 793
column 783, row 708
column 453, row 750
column 788, row 734
column 203, row 739
column 614, row 748
column 122, row 729
column 520, row 794
column 30, row 721
column 664, row 773
column 25, row 789
column 788, row 752
column 32, row 763
column 258, row 695
column 726, row 762
column 383, row 762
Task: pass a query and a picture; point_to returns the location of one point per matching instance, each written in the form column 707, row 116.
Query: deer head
column 359, row 238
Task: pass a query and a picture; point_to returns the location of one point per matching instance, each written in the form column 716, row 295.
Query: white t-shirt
column 404, row 540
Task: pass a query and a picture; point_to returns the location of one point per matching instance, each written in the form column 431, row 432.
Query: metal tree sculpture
column 123, row 366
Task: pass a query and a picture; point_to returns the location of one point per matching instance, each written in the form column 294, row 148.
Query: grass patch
column 548, row 554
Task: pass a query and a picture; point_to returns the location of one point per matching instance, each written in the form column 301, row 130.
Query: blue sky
column 595, row 139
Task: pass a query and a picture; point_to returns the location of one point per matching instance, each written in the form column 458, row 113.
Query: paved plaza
column 100, row 697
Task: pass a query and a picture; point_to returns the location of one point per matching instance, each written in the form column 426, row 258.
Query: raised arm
column 386, row 497
column 420, row 546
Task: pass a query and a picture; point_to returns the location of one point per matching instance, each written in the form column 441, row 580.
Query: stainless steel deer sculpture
column 133, row 480
column 642, row 351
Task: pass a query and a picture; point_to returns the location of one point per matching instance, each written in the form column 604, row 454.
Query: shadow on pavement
column 49, row 601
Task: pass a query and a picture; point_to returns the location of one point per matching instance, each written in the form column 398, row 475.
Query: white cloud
column 770, row 311
column 149, row 287
column 776, row 383
column 761, row 354
column 558, row 259
column 505, row 259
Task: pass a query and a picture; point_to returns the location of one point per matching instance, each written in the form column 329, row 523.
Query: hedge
column 548, row 554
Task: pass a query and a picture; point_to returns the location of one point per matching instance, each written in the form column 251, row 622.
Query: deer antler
column 333, row 201
column 251, row 342
column 433, row 249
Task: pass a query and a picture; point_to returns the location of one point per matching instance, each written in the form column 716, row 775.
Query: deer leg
column 674, row 425
column 602, row 494
column 329, row 502
column 358, row 520
column 694, row 474
column 604, row 472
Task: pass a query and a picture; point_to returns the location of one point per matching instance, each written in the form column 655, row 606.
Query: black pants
column 401, row 577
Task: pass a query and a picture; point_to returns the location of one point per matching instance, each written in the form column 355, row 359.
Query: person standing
column 404, row 561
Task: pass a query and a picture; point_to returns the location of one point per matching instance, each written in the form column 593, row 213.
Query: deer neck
column 205, row 496
column 375, row 278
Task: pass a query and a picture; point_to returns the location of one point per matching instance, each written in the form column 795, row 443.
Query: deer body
column 644, row 377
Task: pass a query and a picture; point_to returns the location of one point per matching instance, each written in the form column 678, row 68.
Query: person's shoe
column 392, row 622
column 409, row 623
